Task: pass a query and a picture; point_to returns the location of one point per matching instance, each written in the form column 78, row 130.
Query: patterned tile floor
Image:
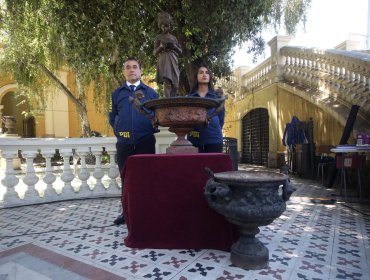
column 315, row 238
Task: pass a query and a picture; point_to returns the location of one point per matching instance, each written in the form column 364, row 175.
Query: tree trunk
column 186, row 83
column 80, row 102
column 189, row 70
column 85, row 124
column 113, row 66
column 81, row 109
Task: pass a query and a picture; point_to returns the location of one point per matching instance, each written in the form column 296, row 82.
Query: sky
column 329, row 23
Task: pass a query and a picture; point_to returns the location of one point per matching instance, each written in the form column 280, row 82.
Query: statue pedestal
column 181, row 150
column 181, row 145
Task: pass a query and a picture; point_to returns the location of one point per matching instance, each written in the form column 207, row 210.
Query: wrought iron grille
column 255, row 137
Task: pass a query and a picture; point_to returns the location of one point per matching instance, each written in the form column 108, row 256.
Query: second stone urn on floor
column 248, row 200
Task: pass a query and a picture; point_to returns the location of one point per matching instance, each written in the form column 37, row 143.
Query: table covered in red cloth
column 164, row 203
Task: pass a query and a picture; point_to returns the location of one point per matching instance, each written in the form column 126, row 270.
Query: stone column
column 277, row 63
column 277, row 60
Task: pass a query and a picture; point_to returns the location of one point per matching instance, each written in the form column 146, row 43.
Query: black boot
column 120, row 220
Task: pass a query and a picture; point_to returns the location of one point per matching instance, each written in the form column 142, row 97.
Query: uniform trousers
column 211, row 148
column 145, row 146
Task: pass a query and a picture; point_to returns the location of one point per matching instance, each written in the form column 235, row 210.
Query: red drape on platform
column 164, row 203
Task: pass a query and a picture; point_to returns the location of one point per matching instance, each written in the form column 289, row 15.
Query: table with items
column 350, row 157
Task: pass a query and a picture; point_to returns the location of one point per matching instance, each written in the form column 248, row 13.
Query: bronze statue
column 167, row 48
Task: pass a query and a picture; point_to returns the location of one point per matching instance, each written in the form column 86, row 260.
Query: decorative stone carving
column 9, row 123
column 113, row 172
column 181, row 115
column 98, row 172
column 67, row 176
column 49, row 177
column 31, row 178
column 84, row 173
column 10, row 180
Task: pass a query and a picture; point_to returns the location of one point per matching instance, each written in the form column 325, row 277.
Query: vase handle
column 288, row 189
column 217, row 193
column 219, row 108
column 210, row 173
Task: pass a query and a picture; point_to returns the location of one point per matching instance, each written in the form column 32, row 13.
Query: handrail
column 257, row 78
column 87, row 168
column 342, row 75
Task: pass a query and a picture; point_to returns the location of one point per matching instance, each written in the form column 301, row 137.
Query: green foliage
column 93, row 38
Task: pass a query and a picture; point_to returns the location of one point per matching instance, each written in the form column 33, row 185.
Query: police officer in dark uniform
column 134, row 130
column 207, row 139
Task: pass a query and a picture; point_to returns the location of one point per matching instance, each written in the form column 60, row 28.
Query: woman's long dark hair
column 196, row 83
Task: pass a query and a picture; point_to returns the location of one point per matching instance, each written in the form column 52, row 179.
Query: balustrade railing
column 258, row 77
column 344, row 75
column 51, row 169
column 229, row 84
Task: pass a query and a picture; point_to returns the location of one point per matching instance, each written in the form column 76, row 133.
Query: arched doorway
column 29, row 127
column 13, row 106
column 255, row 137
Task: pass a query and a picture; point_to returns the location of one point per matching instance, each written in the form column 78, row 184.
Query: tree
column 92, row 38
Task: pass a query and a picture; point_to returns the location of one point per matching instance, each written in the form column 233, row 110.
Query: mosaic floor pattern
column 317, row 237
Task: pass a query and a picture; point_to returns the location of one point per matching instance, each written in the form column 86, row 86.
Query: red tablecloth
column 164, row 203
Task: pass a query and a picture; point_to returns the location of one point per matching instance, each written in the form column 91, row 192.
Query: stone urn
column 248, row 200
column 9, row 123
column 181, row 114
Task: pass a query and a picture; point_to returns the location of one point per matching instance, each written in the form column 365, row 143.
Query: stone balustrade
column 229, row 84
column 80, row 172
column 260, row 76
column 339, row 77
column 344, row 75
column 55, row 169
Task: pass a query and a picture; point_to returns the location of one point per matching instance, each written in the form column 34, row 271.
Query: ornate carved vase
column 9, row 123
column 248, row 200
column 181, row 115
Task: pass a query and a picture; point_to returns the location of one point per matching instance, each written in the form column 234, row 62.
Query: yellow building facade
column 281, row 106
column 60, row 118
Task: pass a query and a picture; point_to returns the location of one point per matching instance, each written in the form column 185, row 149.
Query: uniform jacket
column 212, row 133
column 128, row 124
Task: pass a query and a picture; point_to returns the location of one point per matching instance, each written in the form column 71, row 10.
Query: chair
column 325, row 161
column 350, row 161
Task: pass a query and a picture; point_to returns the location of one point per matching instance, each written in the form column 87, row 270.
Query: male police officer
column 134, row 131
